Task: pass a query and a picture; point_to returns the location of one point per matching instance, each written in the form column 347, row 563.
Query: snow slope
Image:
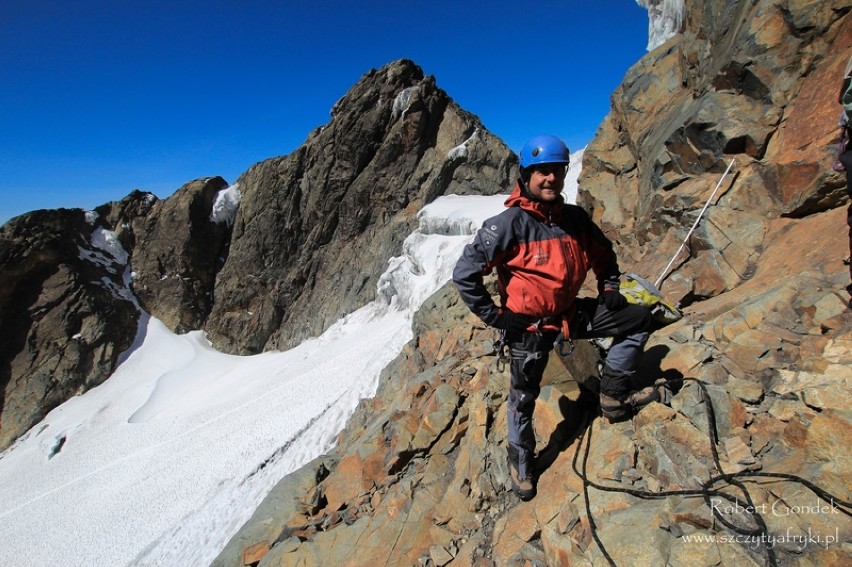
column 162, row 463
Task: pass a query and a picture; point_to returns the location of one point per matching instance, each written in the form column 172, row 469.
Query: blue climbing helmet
column 544, row 149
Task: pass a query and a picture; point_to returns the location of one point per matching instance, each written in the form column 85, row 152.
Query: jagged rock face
column 65, row 314
column 315, row 228
column 177, row 251
column 751, row 81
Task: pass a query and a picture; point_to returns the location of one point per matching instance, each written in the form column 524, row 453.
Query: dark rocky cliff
column 764, row 351
column 315, row 228
column 66, row 314
column 313, row 232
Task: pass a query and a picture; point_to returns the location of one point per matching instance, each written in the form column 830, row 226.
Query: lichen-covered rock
column 754, row 83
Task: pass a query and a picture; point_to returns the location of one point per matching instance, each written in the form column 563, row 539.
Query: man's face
column 547, row 180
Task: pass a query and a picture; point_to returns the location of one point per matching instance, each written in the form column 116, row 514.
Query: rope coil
column 706, row 491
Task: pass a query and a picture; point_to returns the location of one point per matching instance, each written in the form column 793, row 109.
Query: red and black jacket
column 542, row 253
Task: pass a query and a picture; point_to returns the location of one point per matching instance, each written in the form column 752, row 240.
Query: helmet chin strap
column 525, row 189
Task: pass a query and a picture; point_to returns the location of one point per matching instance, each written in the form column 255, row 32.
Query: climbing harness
column 505, row 353
column 562, row 344
column 525, row 356
column 760, row 533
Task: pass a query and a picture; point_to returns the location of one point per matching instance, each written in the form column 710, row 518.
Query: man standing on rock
column 542, row 249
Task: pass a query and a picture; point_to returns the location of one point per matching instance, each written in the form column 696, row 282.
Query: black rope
column 706, row 491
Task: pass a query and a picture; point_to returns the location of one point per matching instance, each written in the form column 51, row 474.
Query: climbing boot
column 616, row 410
column 523, row 487
column 643, row 397
column 612, row 409
column 664, row 391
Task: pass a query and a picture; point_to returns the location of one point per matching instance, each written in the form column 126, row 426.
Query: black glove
column 612, row 299
column 513, row 323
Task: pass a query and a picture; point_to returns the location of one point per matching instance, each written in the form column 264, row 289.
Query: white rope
column 688, row 234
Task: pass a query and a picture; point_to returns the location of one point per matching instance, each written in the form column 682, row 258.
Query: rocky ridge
column 322, row 222
column 762, row 357
column 306, row 244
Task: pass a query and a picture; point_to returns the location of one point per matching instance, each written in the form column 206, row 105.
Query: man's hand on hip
column 513, row 323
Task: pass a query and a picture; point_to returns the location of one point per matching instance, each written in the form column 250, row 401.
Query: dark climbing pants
column 630, row 329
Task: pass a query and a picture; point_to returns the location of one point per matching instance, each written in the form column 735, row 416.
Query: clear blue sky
column 100, row 97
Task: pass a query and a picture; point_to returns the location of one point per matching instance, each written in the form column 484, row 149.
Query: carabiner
column 501, row 348
column 559, row 345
